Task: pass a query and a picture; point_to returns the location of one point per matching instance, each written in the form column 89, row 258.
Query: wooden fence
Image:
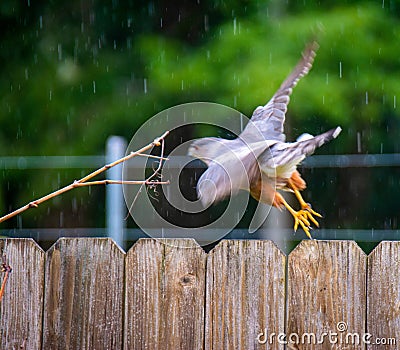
column 86, row 293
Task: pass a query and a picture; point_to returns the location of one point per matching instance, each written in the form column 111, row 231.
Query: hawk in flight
column 260, row 160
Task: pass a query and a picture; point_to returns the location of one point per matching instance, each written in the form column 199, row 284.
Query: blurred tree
column 75, row 72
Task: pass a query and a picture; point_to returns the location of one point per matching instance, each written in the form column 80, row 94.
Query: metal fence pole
column 115, row 204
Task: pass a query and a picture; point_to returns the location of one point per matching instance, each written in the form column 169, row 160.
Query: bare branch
column 159, row 141
column 120, row 182
column 156, row 142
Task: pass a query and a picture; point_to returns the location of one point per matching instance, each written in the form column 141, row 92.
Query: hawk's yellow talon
column 309, row 215
column 296, row 224
column 307, row 207
column 301, row 218
column 305, row 213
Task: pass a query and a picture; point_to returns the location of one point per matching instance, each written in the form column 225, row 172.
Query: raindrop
column 61, row 219
column 383, row 4
column 366, row 97
column 115, row 45
column 327, row 78
column 145, row 85
column 91, row 18
column 150, row 8
column 206, row 24
column 234, row 26
column 50, row 94
column 182, row 86
column 94, row 87
column 41, row 22
column 129, row 22
column 358, row 142
column 59, row 50
column 74, row 205
column 76, row 44
column 323, row 99
column 394, row 101
column 26, row 74
column 161, row 22
column 340, row 69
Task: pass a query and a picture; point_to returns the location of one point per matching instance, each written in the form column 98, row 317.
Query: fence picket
column 326, row 293
column 164, row 304
column 86, row 293
column 83, row 294
column 383, row 317
column 245, row 297
column 22, row 305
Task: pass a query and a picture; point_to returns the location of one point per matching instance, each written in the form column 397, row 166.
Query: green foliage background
column 74, row 73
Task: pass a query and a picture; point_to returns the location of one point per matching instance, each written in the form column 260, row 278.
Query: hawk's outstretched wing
column 267, row 121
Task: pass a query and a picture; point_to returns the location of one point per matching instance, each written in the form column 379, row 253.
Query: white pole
column 115, row 204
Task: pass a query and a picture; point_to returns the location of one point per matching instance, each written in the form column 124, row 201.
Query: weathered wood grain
column 21, row 309
column 245, row 295
column 383, row 317
column 177, row 297
column 83, row 294
column 326, row 291
column 164, row 304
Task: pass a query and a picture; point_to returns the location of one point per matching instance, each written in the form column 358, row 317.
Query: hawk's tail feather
column 308, row 146
column 297, row 151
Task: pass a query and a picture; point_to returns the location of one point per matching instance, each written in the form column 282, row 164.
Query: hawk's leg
column 300, row 217
column 296, row 183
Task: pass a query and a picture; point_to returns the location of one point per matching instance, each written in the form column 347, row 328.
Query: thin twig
column 149, row 180
column 156, row 142
column 7, row 269
column 84, row 181
column 155, row 173
column 151, row 156
column 23, row 345
column 120, row 182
